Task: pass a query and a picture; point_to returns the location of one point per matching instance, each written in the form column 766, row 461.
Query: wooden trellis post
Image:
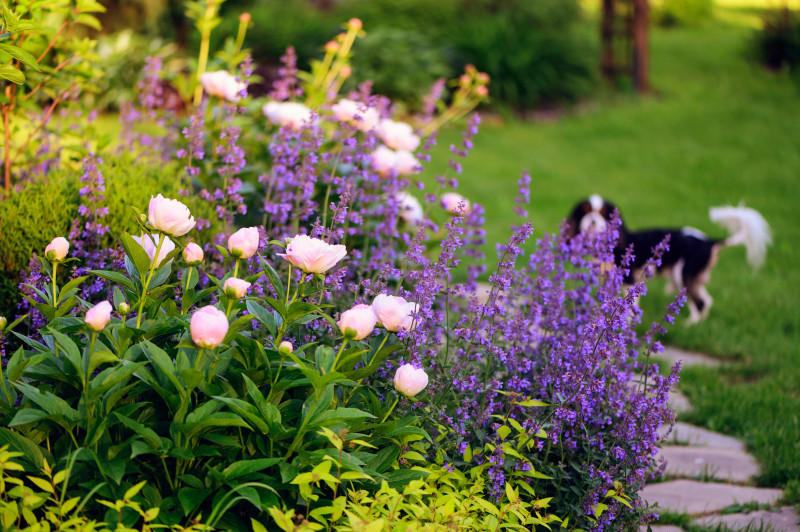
column 624, row 26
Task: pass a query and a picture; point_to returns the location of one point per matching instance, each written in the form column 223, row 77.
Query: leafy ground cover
column 719, row 129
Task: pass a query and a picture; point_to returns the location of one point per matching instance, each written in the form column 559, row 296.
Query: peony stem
column 148, row 278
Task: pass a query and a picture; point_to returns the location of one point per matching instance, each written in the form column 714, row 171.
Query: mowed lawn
column 718, row 129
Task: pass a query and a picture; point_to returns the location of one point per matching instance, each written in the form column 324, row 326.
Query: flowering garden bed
column 289, row 331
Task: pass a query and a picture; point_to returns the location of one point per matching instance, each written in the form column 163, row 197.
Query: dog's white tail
column 746, row 226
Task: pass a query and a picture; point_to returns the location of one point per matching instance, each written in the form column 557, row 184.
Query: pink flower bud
column 397, row 135
column 285, row 347
column 482, row 91
column 208, row 327
column 57, row 249
column 124, row 308
column 410, row 381
column 401, row 162
column 97, row 317
column 410, row 209
column 193, row 254
column 313, row 255
column 169, row 216
column 395, row 313
column 455, row 203
column 244, row 17
column 356, row 113
column 3, row 322
column 150, row 244
column 235, row 288
column 243, row 244
column 345, row 71
column 222, row 85
column 358, row 322
column 355, row 23
column 332, row 47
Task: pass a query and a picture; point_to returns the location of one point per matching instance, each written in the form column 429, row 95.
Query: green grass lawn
column 718, row 130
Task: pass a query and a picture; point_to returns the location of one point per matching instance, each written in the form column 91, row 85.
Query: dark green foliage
column 778, row 43
column 681, row 12
column 402, row 64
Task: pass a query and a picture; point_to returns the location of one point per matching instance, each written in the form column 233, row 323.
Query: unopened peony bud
column 332, row 47
column 193, row 254
column 208, row 327
column 483, row 78
column 358, row 322
column 245, row 17
column 3, row 323
column 455, row 203
column 285, row 348
column 482, row 91
column 410, row 381
column 97, row 317
column 345, row 71
column 235, row 288
column 465, row 79
column 395, row 313
column 124, row 309
column 57, row 249
column 313, row 255
column 169, row 216
column 243, row 244
column 150, row 244
column 355, row 23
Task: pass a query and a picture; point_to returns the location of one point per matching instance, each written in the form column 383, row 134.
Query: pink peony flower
column 169, row 216
column 235, row 288
column 385, row 161
column 313, row 255
column 410, row 381
column 356, row 113
column 455, row 203
column 410, row 209
column 222, row 85
column 287, row 114
column 243, row 244
column 358, row 322
column 397, row 135
column 150, row 244
column 57, row 249
column 193, row 254
column 97, row 317
column 395, row 313
column 208, row 327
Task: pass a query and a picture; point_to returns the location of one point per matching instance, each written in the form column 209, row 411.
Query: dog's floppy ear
column 573, row 222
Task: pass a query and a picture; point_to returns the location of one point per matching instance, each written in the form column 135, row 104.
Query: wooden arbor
column 623, row 30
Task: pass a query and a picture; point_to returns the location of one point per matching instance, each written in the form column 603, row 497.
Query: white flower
column 397, row 135
column 287, row 114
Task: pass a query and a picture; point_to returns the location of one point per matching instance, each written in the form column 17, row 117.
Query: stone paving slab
column 730, row 465
column 672, row 355
column 686, row 434
column 661, row 528
column 781, row 520
column 679, row 402
column 696, row 498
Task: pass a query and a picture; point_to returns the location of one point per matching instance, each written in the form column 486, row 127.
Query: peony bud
column 245, row 17
column 345, row 71
column 235, row 288
column 482, row 91
column 97, row 317
column 150, row 244
column 358, row 322
column 193, row 254
column 355, row 23
column 410, row 381
column 222, row 85
column 394, row 313
column 397, row 135
column 313, row 255
column 208, row 327
column 169, row 216
column 285, row 348
column 3, row 323
column 57, row 249
column 455, row 203
column 356, row 113
column 243, row 244
column 124, row 309
column 410, row 209
column 288, row 114
column 332, row 47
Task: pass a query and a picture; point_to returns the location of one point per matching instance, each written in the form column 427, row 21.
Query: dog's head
column 590, row 215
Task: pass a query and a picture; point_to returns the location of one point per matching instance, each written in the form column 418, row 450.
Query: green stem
column 55, row 286
column 397, row 400
column 202, row 60
column 288, row 285
column 149, row 277
column 341, row 350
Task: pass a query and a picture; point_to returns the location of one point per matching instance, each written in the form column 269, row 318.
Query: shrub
column 682, row 12
column 777, row 45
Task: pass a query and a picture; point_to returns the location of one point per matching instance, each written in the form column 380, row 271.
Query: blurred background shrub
column 777, row 45
column 668, row 13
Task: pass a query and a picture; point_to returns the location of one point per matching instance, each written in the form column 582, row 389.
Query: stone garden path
column 710, row 472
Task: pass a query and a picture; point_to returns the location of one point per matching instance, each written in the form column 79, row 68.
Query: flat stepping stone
column 686, row 434
column 661, row 528
column 722, row 464
column 779, row 520
column 679, row 402
column 697, row 498
column 672, row 355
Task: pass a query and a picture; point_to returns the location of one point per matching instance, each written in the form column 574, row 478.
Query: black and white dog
column 691, row 255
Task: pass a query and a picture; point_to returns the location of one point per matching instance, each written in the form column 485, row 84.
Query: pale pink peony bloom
column 394, row 313
column 193, row 254
column 410, row 209
column 385, row 161
column 235, row 288
column 57, row 249
column 313, row 255
column 410, row 381
column 287, row 114
column 455, row 203
column 222, row 85
column 358, row 322
column 97, row 317
column 397, row 135
column 150, row 244
column 356, row 113
column 208, row 327
column 169, row 216
column 243, row 244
